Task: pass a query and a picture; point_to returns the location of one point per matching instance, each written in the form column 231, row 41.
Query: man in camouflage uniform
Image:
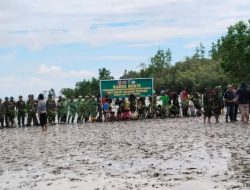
column 86, row 108
column 208, row 104
column 20, row 106
column 1, row 113
column 7, row 111
column 51, row 109
column 72, row 109
column 79, row 104
column 62, row 110
column 93, row 108
column 32, row 109
column 12, row 111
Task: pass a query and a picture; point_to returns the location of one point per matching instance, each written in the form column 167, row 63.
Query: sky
column 55, row 43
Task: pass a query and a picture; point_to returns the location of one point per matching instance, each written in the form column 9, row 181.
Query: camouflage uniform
column 79, row 105
column 51, row 109
column 20, row 106
column 72, row 110
column 208, row 103
column 217, row 104
column 1, row 114
column 62, row 110
column 93, row 108
column 87, row 109
column 12, row 111
column 31, row 110
column 7, row 111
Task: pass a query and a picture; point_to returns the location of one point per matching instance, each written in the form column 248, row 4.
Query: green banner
column 124, row 87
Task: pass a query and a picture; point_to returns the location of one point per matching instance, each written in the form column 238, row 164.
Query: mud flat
column 179, row 154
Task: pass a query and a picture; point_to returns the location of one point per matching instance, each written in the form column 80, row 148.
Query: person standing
column 79, row 105
column 20, row 106
column 208, row 104
column 184, row 96
column 236, row 103
column 31, row 109
column 72, row 110
column 42, row 112
column 93, row 108
column 216, row 104
column 165, row 102
column 243, row 99
column 7, row 111
column 1, row 114
column 12, row 111
column 229, row 98
column 51, row 112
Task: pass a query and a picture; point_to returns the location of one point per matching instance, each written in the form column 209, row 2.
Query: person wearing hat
column 51, row 109
column 31, row 106
column 62, row 109
column 72, row 109
column 7, row 112
column 79, row 105
column 20, row 106
column 87, row 108
column 229, row 98
column 208, row 104
column 12, row 111
column 1, row 114
column 93, row 108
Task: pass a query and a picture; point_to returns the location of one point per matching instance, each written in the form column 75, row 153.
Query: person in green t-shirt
column 165, row 101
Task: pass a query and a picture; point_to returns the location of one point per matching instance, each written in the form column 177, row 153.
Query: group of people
column 234, row 99
column 96, row 109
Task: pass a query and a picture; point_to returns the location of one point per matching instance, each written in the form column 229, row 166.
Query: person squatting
column 96, row 109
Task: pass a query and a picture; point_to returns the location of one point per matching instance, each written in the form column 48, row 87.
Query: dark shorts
column 43, row 119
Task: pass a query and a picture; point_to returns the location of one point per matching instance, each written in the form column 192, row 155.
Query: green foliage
column 87, row 87
column 105, row 74
column 233, row 52
column 67, row 92
column 195, row 72
column 52, row 92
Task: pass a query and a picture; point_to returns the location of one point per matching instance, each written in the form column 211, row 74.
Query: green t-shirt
column 165, row 100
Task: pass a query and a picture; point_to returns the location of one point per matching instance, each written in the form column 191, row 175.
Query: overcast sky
column 55, row 43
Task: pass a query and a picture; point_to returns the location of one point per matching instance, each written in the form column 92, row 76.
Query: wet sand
column 179, row 154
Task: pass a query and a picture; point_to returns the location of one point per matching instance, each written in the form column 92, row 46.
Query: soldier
column 99, row 109
column 62, row 110
column 87, row 109
column 79, row 105
column 208, row 104
column 20, row 106
column 1, row 113
column 51, row 109
column 217, row 105
column 12, row 111
column 7, row 111
column 93, row 108
column 72, row 110
column 31, row 109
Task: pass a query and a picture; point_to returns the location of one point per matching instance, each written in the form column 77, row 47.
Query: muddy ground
column 179, row 154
